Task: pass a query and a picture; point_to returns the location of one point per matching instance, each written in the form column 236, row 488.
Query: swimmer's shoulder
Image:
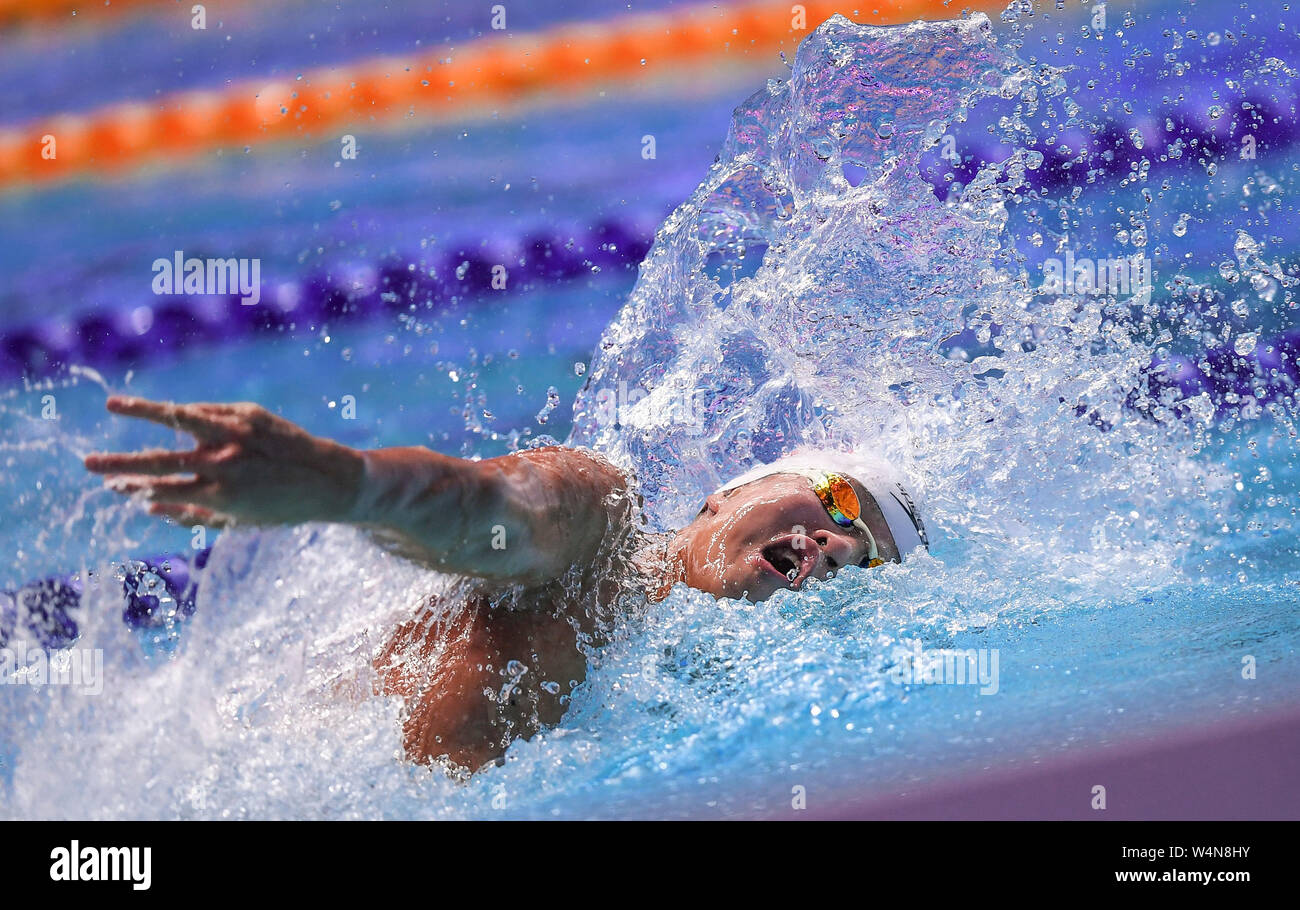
column 588, row 463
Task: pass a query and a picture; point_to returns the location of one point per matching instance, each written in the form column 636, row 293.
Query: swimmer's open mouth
column 793, row 563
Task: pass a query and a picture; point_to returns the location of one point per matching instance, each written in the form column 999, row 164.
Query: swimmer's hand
column 248, row 466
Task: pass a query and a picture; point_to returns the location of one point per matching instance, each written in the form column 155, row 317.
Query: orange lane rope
column 486, row 72
column 25, row 12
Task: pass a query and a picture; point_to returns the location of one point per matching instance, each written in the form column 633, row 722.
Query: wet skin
column 557, row 510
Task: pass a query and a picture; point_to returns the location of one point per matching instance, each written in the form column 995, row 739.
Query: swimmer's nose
column 838, row 550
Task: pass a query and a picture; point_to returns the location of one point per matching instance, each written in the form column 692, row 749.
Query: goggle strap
column 873, row 556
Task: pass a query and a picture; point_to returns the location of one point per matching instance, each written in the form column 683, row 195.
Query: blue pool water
column 1121, row 557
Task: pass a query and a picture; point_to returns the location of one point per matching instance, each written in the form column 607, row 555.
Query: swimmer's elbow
column 559, row 504
column 524, row 518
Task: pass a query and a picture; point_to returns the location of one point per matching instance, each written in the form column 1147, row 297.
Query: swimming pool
column 1121, row 556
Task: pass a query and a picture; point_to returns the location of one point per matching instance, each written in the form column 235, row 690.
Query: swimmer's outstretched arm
column 527, row 517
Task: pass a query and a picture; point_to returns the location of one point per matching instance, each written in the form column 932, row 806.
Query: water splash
column 884, row 317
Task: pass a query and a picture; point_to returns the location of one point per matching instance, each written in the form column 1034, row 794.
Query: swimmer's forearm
column 524, row 517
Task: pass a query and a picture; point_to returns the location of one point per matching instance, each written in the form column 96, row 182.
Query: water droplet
column 552, row 402
column 515, row 668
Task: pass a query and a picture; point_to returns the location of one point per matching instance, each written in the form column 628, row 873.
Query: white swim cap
column 883, row 483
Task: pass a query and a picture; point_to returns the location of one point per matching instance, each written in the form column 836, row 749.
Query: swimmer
column 546, row 540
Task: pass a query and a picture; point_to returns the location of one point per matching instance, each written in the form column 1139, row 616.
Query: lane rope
column 438, row 84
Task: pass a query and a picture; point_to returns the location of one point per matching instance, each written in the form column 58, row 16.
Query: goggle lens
column 839, row 498
column 842, row 505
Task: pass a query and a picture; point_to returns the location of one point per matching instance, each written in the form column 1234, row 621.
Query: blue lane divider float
column 169, row 323
column 158, row 595
column 1269, row 373
column 1079, row 156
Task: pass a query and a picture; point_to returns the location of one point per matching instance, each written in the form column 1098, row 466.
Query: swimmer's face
column 771, row 534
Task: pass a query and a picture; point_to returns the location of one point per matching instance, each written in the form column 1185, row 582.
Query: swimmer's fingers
column 191, row 515
column 180, row 499
column 175, row 490
column 200, row 421
column 155, row 461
